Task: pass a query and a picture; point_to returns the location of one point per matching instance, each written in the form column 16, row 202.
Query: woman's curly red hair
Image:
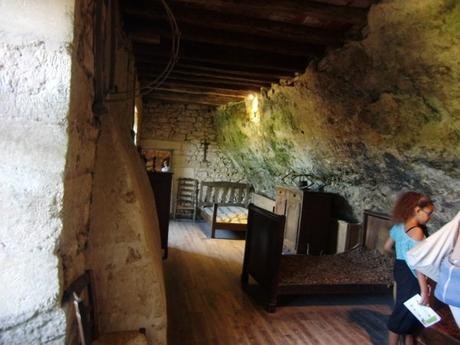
column 406, row 203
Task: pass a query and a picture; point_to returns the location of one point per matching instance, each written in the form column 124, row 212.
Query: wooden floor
column 207, row 306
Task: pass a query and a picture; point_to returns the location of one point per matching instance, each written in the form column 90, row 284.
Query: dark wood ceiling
column 230, row 48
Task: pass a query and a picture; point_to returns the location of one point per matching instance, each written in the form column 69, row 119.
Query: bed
column 364, row 269
column 224, row 205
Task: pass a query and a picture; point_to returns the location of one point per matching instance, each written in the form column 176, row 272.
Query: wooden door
column 289, row 204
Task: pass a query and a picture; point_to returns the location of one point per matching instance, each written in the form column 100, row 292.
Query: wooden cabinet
column 308, row 219
column 161, row 186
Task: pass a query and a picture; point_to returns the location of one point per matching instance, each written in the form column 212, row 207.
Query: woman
column 410, row 214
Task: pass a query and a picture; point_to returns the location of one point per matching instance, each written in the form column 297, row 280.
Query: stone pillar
column 124, row 246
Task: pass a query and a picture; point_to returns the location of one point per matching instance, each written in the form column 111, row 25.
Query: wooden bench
column 224, row 205
column 81, row 295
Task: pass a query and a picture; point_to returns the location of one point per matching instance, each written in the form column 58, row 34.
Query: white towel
column 427, row 255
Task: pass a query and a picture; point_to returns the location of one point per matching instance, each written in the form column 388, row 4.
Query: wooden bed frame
column 263, row 259
column 222, row 193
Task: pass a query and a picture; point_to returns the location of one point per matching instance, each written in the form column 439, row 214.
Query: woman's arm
column 388, row 246
column 418, row 235
column 424, row 288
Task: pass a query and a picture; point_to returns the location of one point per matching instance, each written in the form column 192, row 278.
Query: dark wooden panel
column 314, row 229
column 377, row 227
column 161, row 186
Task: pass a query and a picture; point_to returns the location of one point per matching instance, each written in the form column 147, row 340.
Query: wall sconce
column 253, row 108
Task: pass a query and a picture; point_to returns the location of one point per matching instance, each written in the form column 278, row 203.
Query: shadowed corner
column 372, row 322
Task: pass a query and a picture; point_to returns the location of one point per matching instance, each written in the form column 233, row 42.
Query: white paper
column 424, row 314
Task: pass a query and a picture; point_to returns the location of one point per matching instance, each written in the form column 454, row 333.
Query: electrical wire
column 174, row 57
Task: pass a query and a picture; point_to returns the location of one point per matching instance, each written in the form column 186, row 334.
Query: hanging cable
column 173, row 58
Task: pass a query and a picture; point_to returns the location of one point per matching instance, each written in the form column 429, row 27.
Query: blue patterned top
column 403, row 242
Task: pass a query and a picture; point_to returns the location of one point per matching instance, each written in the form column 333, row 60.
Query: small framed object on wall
column 158, row 160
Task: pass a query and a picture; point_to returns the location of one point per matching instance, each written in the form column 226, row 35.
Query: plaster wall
column 369, row 120
column 181, row 129
column 83, row 133
column 35, row 70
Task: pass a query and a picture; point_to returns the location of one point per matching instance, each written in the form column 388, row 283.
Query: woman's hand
column 425, row 289
column 425, row 296
column 425, row 300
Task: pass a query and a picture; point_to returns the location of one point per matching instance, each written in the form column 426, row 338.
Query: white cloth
column 427, row 255
column 456, row 313
column 228, row 214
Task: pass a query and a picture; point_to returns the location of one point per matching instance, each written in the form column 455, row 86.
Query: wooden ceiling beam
column 228, row 39
column 198, row 17
column 291, row 11
column 177, row 71
column 205, row 82
column 186, row 87
column 174, row 97
column 218, row 67
column 216, row 54
column 146, row 38
column 281, row 9
column 225, row 72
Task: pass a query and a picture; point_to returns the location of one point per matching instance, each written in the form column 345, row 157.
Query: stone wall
column 35, row 89
column 370, row 120
column 182, row 129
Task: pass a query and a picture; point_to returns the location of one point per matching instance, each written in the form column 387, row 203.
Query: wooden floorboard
column 207, row 306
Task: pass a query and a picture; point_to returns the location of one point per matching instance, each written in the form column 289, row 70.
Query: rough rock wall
column 370, row 119
column 35, row 70
column 124, row 244
column 182, row 128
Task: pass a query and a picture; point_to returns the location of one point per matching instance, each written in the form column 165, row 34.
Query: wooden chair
column 81, row 294
column 186, row 201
